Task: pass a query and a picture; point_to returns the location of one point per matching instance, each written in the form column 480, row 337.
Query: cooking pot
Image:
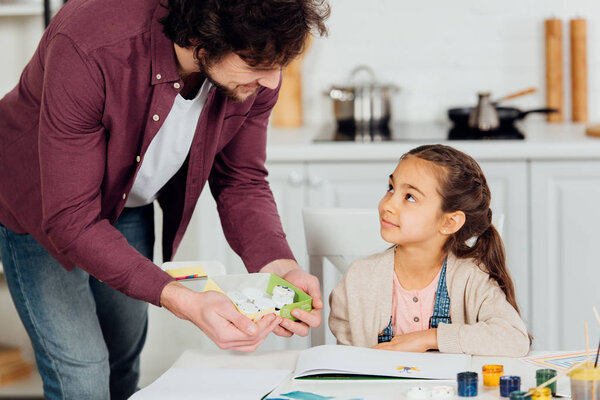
column 506, row 115
column 364, row 106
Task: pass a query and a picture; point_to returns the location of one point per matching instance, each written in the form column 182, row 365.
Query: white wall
column 442, row 52
column 439, row 52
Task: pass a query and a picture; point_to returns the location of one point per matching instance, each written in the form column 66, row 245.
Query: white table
column 366, row 389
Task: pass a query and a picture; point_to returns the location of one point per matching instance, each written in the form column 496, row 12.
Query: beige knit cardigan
column 483, row 322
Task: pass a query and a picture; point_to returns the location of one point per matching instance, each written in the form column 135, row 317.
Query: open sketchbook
column 347, row 361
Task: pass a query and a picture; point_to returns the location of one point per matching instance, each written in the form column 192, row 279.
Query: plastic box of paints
column 202, row 277
column 264, row 283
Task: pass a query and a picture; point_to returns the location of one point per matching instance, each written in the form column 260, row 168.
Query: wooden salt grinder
column 579, row 70
column 554, row 69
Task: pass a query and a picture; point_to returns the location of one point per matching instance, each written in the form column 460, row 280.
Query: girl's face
column 411, row 210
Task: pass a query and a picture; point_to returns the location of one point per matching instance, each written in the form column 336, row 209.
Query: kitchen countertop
column 543, row 141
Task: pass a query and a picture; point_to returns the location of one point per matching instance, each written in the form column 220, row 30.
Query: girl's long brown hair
column 463, row 187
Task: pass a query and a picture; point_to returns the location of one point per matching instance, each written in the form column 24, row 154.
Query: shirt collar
column 164, row 63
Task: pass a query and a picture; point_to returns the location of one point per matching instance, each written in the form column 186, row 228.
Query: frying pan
column 506, row 115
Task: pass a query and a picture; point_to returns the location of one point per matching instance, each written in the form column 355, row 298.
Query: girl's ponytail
column 488, row 252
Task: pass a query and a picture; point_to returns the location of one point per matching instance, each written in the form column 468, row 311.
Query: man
column 124, row 103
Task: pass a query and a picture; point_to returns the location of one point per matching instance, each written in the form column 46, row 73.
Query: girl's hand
column 415, row 341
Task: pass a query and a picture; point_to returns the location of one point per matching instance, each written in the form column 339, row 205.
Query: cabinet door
column 361, row 185
column 510, row 196
column 205, row 240
column 565, row 252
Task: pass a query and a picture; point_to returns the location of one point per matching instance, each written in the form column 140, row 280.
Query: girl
column 444, row 285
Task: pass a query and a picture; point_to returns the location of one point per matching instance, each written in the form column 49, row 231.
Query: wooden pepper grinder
column 554, row 69
column 579, row 69
column 287, row 113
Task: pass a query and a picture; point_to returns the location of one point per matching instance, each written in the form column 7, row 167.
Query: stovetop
column 421, row 132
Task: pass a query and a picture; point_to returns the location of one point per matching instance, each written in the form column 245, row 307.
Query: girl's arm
column 491, row 326
column 339, row 321
column 415, row 341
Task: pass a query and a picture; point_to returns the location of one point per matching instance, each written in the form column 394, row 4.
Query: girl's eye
column 390, row 189
column 410, row 198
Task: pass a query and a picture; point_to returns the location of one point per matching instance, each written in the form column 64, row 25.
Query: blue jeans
column 86, row 336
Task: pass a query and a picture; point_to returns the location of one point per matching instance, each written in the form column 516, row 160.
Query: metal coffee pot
column 484, row 116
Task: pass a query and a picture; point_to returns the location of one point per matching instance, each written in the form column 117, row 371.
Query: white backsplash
column 441, row 53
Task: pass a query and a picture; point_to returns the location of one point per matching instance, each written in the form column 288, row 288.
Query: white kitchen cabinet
column 565, row 250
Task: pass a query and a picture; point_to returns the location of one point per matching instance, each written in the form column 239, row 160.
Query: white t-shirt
column 169, row 148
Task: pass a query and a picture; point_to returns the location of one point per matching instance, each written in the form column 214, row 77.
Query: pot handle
column 364, row 70
column 537, row 110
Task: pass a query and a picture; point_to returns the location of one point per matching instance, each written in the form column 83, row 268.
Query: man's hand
column 216, row 315
column 291, row 272
column 415, row 341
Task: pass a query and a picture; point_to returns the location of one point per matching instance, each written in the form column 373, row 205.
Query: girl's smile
column 387, row 224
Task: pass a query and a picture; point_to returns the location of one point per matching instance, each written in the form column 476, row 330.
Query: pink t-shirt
column 412, row 309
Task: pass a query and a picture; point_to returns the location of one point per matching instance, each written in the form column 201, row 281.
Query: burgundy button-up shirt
column 89, row 102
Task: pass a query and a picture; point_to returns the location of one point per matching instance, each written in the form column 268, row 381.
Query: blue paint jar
column 467, row 384
column 508, row 384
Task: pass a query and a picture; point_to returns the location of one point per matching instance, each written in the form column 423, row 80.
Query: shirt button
column 415, row 299
column 176, row 85
column 416, row 319
column 138, row 159
column 124, row 196
column 155, row 117
column 158, row 76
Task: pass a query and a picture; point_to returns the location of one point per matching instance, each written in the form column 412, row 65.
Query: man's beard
column 222, row 89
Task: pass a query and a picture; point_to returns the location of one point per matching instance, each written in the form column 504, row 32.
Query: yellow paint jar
column 492, row 374
column 541, row 394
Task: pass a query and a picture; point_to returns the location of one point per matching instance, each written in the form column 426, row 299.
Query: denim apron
column 441, row 309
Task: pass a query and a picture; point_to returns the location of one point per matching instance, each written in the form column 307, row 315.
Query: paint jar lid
column 492, row 369
column 585, row 373
column 517, row 395
column 542, row 392
column 510, row 379
column 283, row 292
column 545, row 373
column 466, row 376
column 253, row 293
column 237, row 297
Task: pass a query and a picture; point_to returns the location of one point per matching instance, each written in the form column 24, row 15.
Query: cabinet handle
column 315, row 181
column 295, row 179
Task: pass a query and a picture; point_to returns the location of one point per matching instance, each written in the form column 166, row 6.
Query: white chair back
column 340, row 236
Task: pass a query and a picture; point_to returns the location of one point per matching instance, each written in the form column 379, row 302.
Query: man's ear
column 452, row 222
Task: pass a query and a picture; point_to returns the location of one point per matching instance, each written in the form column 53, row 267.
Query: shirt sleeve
column 238, row 182
column 72, row 151
column 497, row 328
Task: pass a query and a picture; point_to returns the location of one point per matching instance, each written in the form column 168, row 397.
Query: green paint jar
column 543, row 375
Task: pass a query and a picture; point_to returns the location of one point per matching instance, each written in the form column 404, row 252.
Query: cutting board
column 287, row 113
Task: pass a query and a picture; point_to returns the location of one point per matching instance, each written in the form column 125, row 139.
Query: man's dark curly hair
column 261, row 32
